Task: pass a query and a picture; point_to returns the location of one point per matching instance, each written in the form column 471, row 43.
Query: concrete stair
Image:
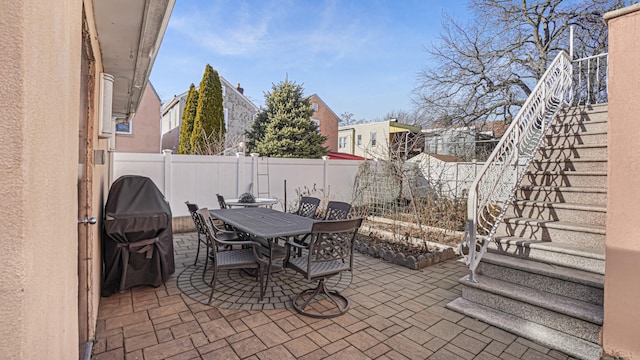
column 563, row 194
column 543, row 275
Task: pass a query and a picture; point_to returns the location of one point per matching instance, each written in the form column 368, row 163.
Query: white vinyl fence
column 198, row 178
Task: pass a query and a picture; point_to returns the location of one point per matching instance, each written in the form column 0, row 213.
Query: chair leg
column 263, row 286
column 206, row 260
column 198, row 251
column 340, row 301
column 213, row 283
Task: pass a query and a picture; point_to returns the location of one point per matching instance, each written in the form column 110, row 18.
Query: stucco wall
column 621, row 327
column 145, row 136
column 39, row 68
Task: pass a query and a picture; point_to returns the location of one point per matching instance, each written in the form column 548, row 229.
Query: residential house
column 68, row 67
column 239, row 112
column 326, row 120
column 377, row 140
column 141, row 133
column 466, row 142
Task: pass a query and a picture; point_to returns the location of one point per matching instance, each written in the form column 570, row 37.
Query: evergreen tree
column 256, row 133
column 288, row 129
column 208, row 127
column 188, row 116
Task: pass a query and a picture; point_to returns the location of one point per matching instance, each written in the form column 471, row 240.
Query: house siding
column 240, row 114
column 328, row 122
column 145, row 126
column 366, row 149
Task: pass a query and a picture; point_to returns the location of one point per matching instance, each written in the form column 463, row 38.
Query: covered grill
column 137, row 243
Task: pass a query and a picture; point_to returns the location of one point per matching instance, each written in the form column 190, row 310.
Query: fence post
column 254, row 158
column 324, row 177
column 238, row 172
column 167, row 174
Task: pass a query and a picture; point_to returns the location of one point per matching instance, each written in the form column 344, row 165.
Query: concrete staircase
column 543, row 278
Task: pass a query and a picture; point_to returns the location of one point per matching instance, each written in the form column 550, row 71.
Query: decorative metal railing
column 590, row 80
column 495, row 186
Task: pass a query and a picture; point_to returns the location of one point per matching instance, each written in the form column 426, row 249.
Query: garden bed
column 382, row 239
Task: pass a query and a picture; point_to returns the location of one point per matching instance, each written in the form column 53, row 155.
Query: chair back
column 193, row 211
column 221, row 202
column 209, row 229
column 308, row 206
column 337, row 210
column 333, row 240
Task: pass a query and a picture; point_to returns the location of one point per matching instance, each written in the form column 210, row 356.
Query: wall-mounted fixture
column 106, row 123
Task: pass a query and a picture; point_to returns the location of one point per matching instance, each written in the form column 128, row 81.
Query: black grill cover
column 137, row 244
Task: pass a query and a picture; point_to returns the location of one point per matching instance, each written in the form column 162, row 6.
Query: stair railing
column 590, row 80
column 496, row 184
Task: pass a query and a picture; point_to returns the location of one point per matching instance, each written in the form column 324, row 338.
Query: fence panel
column 198, row 178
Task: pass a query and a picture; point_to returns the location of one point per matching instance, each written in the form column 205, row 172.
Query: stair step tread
column 585, row 189
column 573, row 146
column 575, row 308
column 560, row 225
column 558, row 205
column 554, row 339
column 555, row 247
column 549, row 270
column 565, row 172
column 579, row 133
column 569, row 160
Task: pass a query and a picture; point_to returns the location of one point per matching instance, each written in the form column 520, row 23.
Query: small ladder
column 263, row 178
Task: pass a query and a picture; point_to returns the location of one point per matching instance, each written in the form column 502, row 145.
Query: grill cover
column 137, row 243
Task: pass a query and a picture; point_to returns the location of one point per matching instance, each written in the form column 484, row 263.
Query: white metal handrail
column 591, row 79
column 495, row 186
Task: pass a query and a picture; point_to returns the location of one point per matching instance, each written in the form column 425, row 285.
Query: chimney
column 241, row 90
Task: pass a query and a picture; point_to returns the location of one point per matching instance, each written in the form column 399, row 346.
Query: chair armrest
column 241, row 242
column 299, row 246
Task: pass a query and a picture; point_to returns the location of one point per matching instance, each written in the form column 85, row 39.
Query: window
column 359, row 139
column 224, row 91
column 226, row 118
column 342, row 142
column 317, row 122
column 124, row 127
column 315, row 106
column 374, row 139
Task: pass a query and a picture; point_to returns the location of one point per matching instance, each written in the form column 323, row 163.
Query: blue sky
column 360, row 57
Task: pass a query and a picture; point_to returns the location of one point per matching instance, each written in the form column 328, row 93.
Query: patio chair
column 337, row 210
column 221, row 202
column 248, row 257
column 202, row 235
column 201, row 226
column 308, row 206
column 330, row 252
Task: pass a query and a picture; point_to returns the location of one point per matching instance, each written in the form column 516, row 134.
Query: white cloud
column 275, row 32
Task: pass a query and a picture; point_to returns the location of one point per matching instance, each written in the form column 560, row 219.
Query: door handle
column 88, row 220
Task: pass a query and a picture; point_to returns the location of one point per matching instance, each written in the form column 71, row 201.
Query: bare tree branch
column 484, row 70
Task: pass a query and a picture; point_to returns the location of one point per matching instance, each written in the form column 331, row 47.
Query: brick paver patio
column 396, row 313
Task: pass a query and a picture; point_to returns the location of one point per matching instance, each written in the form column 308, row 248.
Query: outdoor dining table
column 265, row 223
